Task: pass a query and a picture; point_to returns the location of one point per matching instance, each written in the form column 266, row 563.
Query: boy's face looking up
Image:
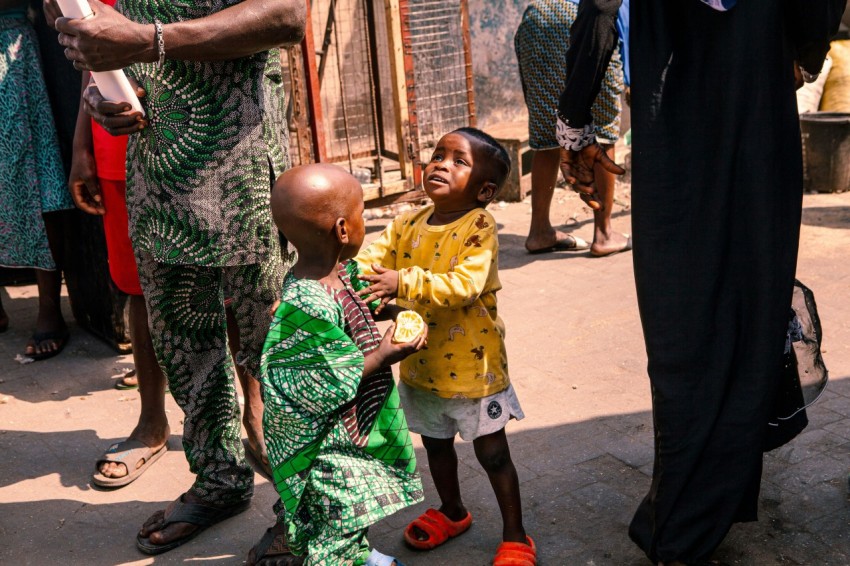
column 455, row 178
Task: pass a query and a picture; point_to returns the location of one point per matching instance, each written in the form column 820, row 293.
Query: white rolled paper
column 113, row 85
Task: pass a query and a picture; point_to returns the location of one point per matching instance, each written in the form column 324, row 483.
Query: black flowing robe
column 717, row 198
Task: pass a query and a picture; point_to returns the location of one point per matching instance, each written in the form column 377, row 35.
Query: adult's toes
column 153, row 523
column 113, row 470
column 171, row 532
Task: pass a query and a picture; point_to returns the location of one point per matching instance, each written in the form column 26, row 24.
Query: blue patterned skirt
column 541, row 44
column 32, row 180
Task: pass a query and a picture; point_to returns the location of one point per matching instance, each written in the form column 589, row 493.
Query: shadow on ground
column 827, row 216
column 581, row 483
column 72, row 455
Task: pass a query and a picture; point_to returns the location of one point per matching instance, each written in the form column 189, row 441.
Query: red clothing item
column 122, row 262
column 110, row 154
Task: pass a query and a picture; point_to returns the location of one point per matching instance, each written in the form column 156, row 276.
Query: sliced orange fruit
column 408, row 326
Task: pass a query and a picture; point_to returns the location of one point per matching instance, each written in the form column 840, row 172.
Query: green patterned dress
column 338, row 442
column 32, row 181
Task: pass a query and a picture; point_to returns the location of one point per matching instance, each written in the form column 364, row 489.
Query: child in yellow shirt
column 442, row 262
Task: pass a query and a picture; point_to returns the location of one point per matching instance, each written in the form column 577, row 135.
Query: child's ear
column 487, row 192
column 341, row 230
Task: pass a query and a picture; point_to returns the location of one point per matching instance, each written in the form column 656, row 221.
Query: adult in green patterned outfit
column 337, row 436
column 199, row 168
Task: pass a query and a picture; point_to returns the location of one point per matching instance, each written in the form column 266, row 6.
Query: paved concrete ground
column 584, row 452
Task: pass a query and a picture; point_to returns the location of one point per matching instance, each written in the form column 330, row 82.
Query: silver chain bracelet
column 160, row 42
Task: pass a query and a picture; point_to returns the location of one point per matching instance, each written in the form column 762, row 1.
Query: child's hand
column 390, row 352
column 383, row 285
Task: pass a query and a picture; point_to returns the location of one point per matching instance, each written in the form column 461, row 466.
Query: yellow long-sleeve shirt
column 449, row 275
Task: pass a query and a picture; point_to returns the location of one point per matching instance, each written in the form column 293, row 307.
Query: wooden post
column 314, row 97
column 298, row 100
column 409, row 81
column 401, row 110
column 467, row 54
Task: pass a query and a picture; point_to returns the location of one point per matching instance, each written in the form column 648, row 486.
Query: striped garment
column 541, row 44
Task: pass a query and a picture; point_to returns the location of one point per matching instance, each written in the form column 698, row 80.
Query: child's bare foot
column 272, row 550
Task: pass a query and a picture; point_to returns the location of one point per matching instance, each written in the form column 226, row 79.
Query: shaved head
column 306, row 201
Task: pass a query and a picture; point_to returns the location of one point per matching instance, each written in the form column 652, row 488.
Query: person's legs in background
column 542, row 236
column 541, row 40
column 605, row 240
column 51, row 333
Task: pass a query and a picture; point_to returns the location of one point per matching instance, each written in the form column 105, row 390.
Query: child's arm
column 463, row 284
column 380, row 256
column 381, row 252
column 389, row 353
column 83, row 178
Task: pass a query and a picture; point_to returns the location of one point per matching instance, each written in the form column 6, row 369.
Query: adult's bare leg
column 544, row 175
column 152, row 428
column 606, row 241
column 50, row 324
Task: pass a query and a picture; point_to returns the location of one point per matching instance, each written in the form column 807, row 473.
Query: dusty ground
column 584, row 452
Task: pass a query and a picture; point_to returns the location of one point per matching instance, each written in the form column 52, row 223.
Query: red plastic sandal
column 437, row 526
column 516, row 554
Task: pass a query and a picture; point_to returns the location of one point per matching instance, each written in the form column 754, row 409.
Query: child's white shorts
column 437, row 417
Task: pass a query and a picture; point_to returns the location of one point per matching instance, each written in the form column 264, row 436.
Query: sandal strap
column 120, row 452
column 434, row 528
column 516, row 554
column 199, row 514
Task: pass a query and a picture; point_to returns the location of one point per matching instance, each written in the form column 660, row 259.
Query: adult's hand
column 106, row 41
column 110, row 41
column 117, row 118
column 578, row 170
column 51, row 12
column 83, row 182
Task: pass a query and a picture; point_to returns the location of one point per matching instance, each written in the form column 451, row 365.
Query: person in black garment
column 717, row 200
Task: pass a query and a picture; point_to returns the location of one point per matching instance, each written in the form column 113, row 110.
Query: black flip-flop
column 203, row 516
column 61, row 338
